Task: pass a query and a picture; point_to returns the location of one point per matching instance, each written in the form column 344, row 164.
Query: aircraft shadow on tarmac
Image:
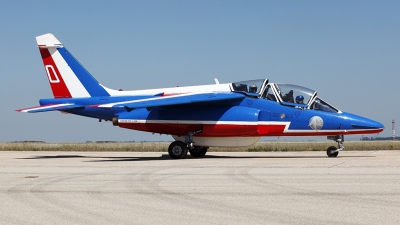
column 166, row 157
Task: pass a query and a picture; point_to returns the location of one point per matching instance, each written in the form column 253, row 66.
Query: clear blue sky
column 348, row 51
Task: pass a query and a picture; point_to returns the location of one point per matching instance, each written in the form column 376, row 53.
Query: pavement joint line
column 352, row 159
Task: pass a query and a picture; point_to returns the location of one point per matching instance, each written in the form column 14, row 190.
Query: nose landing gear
column 333, row 151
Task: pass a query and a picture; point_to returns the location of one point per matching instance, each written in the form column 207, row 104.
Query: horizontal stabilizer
column 175, row 100
column 52, row 107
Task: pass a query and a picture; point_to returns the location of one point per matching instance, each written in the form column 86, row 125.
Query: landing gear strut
column 179, row 149
column 333, row 151
column 189, row 138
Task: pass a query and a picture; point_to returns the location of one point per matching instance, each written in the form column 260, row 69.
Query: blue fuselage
column 245, row 117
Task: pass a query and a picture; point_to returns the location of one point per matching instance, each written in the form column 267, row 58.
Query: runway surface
column 357, row 187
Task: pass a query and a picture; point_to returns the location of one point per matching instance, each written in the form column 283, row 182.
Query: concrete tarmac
column 357, row 187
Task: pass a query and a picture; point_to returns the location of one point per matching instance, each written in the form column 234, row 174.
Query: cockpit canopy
column 293, row 93
column 251, row 86
column 285, row 94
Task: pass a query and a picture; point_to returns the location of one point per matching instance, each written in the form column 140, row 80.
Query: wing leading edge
column 175, row 100
column 158, row 100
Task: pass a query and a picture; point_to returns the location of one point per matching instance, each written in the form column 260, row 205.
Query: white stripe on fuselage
column 286, row 124
column 189, row 122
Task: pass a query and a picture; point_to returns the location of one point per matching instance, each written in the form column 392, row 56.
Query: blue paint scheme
column 249, row 94
column 98, row 113
column 198, row 113
column 250, row 108
column 90, row 83
column 294, row 105
column 299, row 118
column 227, row 107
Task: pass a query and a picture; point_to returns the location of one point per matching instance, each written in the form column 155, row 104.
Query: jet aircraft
column 198, row 117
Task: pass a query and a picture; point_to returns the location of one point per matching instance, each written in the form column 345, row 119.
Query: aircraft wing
column 175, row 100
column 52, row 107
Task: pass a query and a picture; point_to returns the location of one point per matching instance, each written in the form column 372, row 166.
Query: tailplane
column 67, row 77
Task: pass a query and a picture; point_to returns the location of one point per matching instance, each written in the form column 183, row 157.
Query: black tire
column 198, row 152
column 329, row 151
column 177, row 150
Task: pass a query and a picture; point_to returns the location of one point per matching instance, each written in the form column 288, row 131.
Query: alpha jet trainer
column 197, row 117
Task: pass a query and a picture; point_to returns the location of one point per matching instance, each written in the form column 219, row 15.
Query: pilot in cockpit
column 288, row 97
column 300, row 99
column 253, row 88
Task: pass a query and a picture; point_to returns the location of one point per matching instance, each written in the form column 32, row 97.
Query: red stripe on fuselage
column 209, row 130
column 60, row 90
column 215, row 130
column 232, row 130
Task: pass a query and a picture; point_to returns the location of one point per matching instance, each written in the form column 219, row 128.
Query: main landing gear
column 179, row 149
column 333, row 151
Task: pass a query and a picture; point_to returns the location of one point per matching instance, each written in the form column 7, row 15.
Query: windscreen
column 321, row 105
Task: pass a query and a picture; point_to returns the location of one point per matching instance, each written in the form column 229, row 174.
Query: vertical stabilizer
column 67, row 77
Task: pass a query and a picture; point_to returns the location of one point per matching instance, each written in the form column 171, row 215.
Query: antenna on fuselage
column 216, row 81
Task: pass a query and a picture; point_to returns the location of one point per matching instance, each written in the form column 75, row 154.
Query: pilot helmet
column 299, row 99
column 253, row 88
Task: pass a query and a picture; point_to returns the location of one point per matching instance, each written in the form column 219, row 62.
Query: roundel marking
column 316, row 123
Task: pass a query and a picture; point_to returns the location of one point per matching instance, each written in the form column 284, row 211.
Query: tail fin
column 67, row 77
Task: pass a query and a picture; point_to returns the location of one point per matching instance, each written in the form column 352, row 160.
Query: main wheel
column 330, row 153
column 177, row 150
column 198, row 152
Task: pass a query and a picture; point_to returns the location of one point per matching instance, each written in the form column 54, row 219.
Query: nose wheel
column 333, row 151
